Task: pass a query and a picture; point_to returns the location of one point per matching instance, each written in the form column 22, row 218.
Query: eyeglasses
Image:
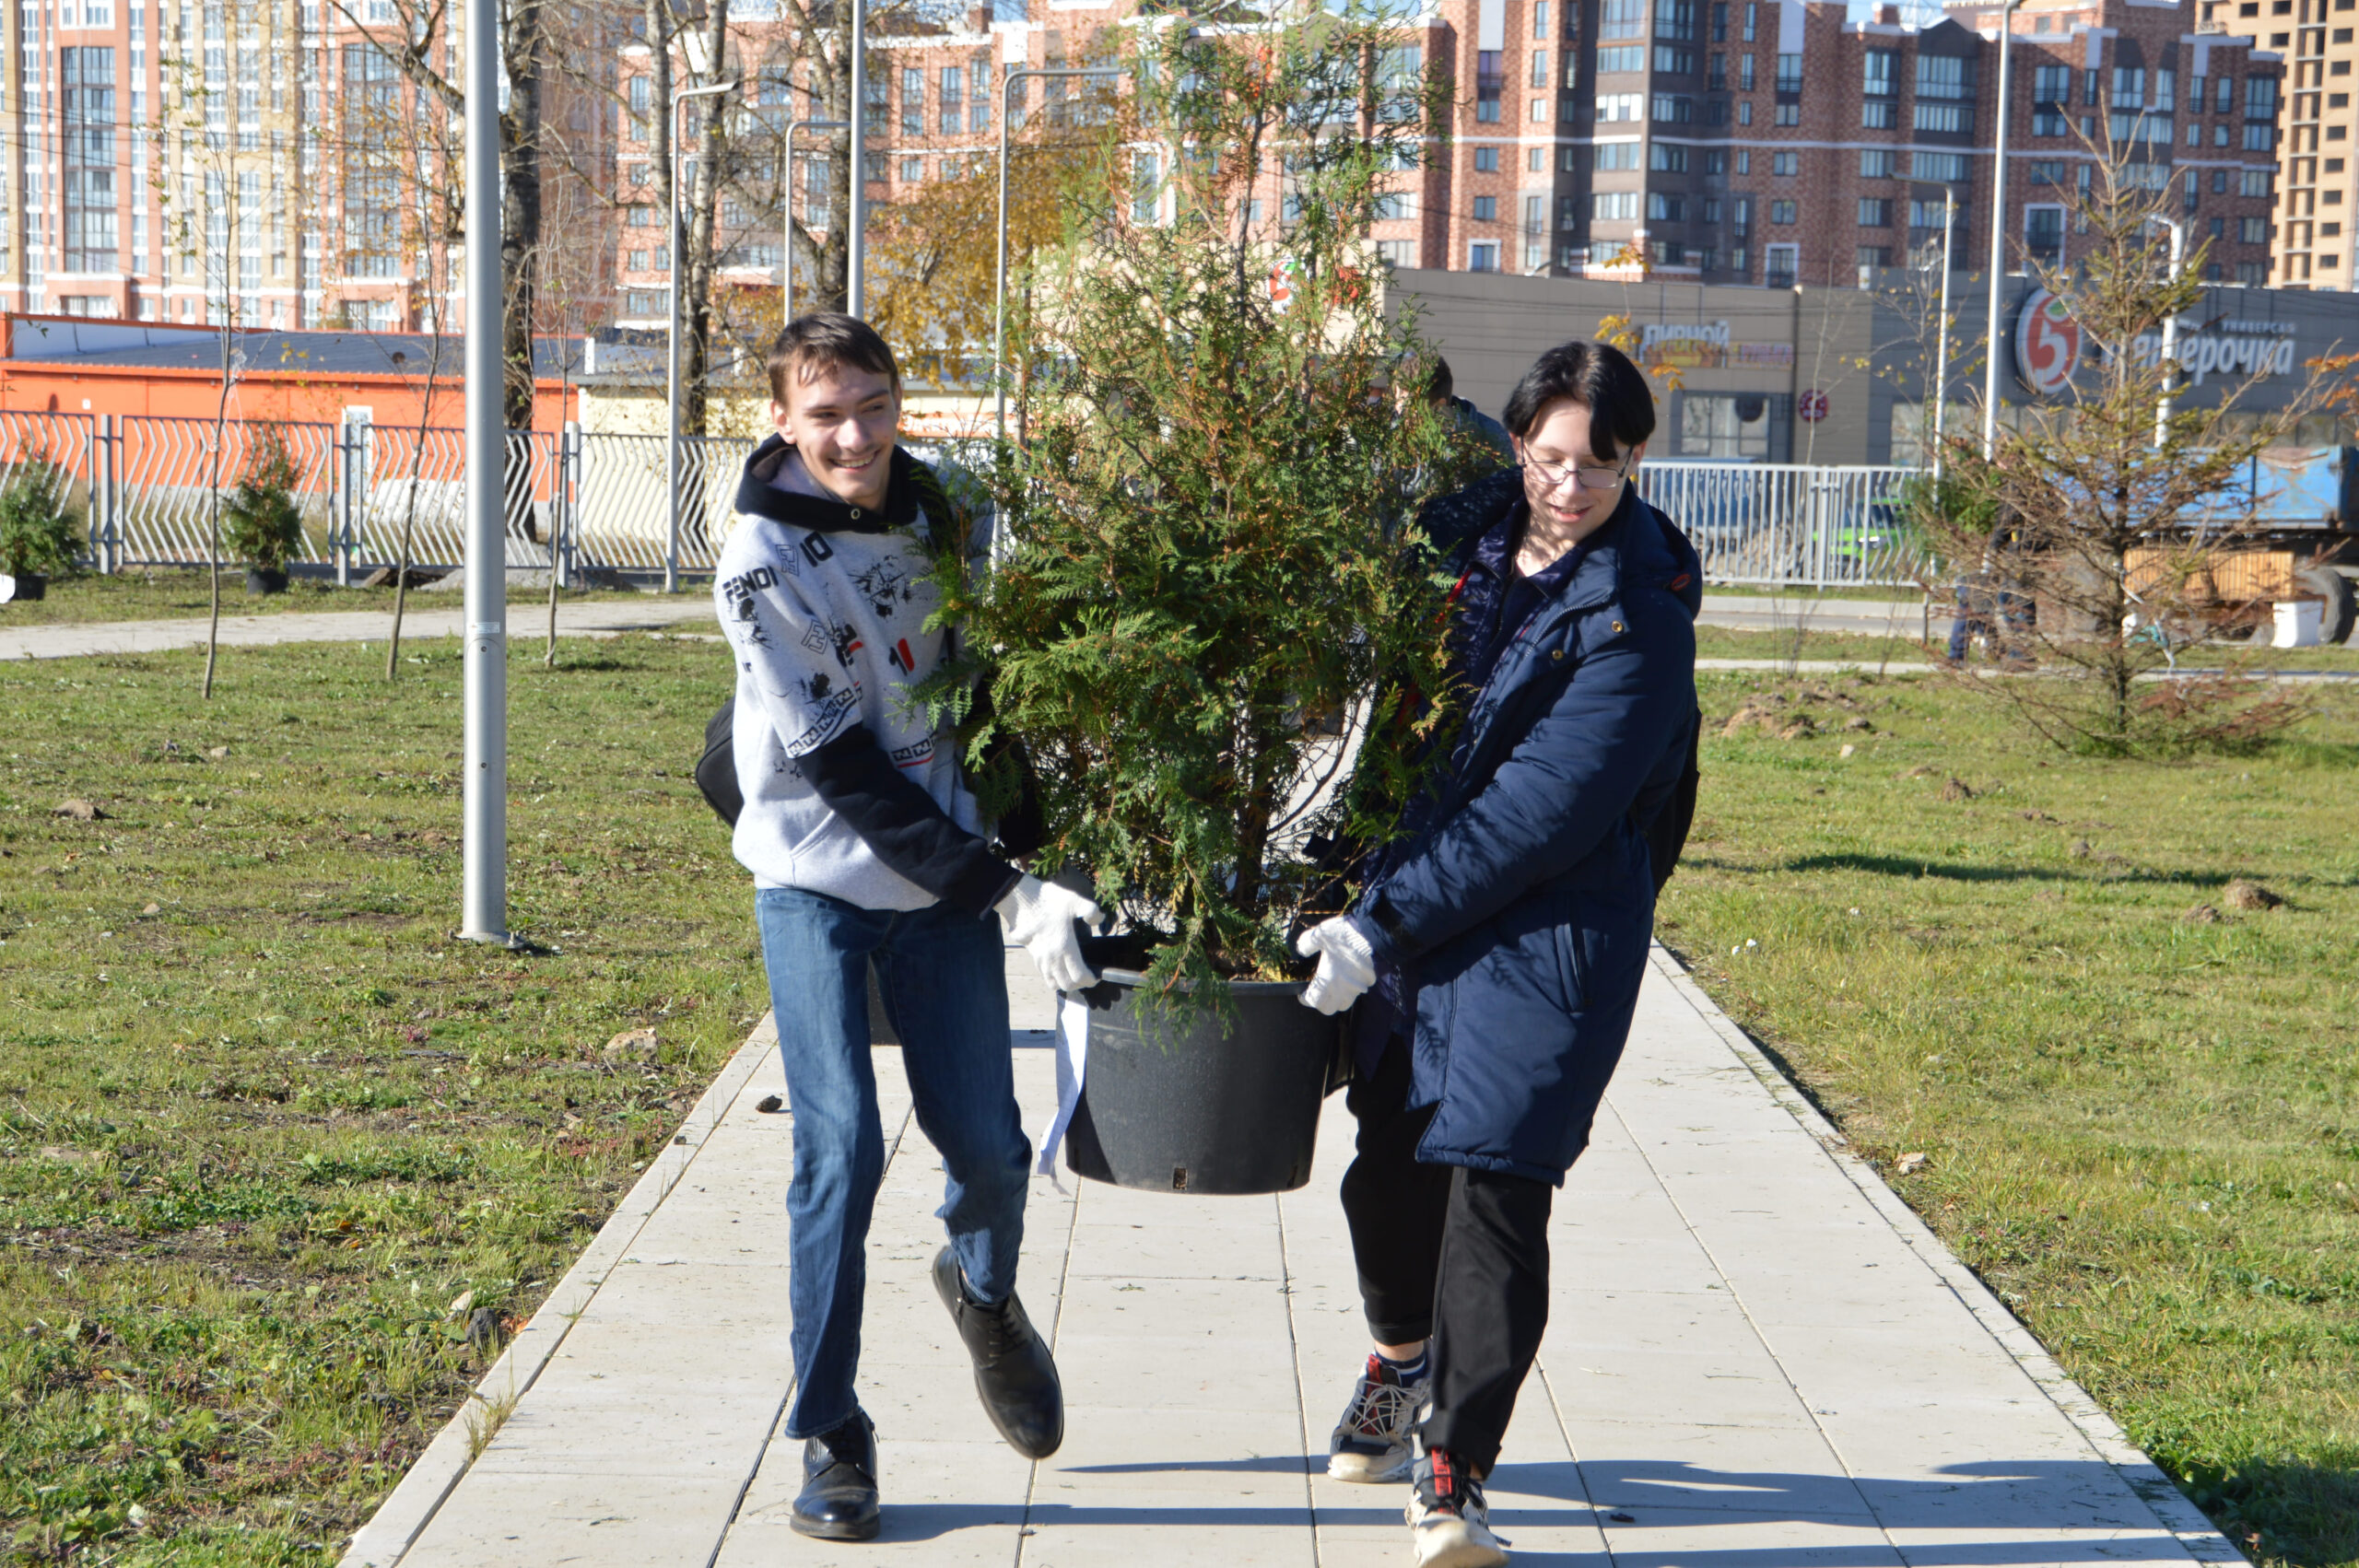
column 1554, row 474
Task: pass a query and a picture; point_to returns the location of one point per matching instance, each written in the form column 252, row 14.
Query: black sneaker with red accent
column 1449, row 1525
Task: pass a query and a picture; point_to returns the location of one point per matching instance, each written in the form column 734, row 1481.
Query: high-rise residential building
column 2318, row 184
column 265, row 160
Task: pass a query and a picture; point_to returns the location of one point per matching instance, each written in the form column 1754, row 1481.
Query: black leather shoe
column 1015, row 1377
column 839, row 1497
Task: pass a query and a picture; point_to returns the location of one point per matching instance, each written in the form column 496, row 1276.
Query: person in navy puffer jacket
column 1496, row 953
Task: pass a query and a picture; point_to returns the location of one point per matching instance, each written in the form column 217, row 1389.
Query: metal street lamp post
column 856, row 197
column 1998, row 235
column 786, row 215
column 2170, row 337
column 1942, row 345
column 484, row 813
column 677, row 235
column 999, row 285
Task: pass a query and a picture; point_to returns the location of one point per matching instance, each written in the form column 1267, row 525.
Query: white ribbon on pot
column 1073, row 1061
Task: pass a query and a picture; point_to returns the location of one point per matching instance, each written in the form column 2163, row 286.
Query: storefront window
column 1733, row 427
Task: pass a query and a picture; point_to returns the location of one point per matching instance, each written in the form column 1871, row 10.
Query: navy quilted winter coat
column 1523, row 911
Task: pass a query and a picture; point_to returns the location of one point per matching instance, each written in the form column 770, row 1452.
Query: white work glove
column 1347, row 966
column 1039, row 916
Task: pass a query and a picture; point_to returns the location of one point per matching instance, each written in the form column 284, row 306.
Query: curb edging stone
column 405, row 1513
column 2177, row 1513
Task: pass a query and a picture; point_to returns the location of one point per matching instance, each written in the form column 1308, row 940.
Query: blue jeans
column 946, row 989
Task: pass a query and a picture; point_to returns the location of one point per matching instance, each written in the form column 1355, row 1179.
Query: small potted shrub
column 1204, row 579
column 38, row 538
column 261, row 524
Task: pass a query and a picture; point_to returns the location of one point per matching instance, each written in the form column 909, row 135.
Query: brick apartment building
column 1768, row 142
column 169, row 156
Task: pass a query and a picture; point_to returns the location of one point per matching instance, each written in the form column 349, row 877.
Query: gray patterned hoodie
column 849, row 792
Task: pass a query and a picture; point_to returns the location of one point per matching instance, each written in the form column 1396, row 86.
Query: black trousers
column 1456, row 1255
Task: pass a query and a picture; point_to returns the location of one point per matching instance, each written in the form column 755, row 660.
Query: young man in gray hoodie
column 866, row 846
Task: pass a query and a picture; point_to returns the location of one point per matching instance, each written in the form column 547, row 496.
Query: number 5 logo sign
column 2047, row 344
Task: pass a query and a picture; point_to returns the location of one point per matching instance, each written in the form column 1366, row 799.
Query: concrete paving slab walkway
column 1758, row 1358
column 527, row 619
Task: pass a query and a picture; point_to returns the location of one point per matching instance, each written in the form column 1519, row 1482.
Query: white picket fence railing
column 579, row 501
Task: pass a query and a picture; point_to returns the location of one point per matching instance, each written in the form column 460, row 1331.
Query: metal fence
column 141, row 487
column 1787, row 524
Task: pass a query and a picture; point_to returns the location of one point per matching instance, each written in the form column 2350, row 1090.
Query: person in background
column 1496, row 951
column 1441, row 390
column 866, row 846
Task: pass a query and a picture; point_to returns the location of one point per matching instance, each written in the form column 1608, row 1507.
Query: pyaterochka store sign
column 2051, row 349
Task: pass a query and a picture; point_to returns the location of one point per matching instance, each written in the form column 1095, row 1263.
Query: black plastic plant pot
column 261, row 579
column 26, row 586
column 1196, row 1102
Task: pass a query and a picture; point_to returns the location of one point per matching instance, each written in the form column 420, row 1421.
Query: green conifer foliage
column 1210, row 595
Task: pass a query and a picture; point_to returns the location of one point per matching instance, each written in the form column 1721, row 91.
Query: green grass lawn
column 174, row 594
column 261, row 1121
column 2143, row 1129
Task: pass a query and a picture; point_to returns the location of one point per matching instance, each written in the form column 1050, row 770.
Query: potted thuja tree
column 260, row 520
column 1209, row 618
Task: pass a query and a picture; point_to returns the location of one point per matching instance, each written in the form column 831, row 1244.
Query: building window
column 1946, row 167
column 1785, row 163
column 1613, row 207
column 1397, row 252
column 1490, row 83
column 1482, row 256
column 1617, row 155
column 979, row 108
column 2258, row 136
column 2260, row 98
column 1612, row 62
column 1744, row 73
column 2252, row 274
column 1672, row 110
column 1486, row 209
column 1789, row 73
column 2044, row 234
column 1883, row 77
column 2252, row 230
column 1875, row 163
column 1540, row 19
column 1875, row 212
column 1780, row 265
column 1667, row 157
column 1487, row 161
column 90, row 237
column 912, row 171
column 1674, row 61
column 1622, row 19
column 1662, row 207
column 1614, row 107
column 913, row 101
column 952, row 95
column 1729, row 427
column 1879, row 113
column 1782, row 211
column 1745, row 112
column 2252, row 183
column 1788, row 115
